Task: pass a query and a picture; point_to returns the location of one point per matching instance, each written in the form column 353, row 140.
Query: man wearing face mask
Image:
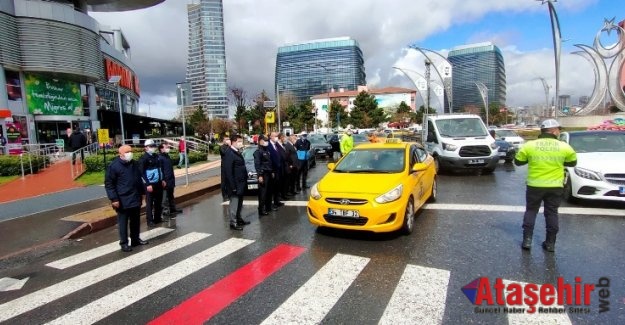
column 124, row 188
column 264, row 170
column 347, row 143
column 303, row 148
column 236, row 179
column 152, row 175
column 169, row 179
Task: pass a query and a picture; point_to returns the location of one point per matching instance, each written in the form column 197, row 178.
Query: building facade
column 206, row 67
column 55, row 66
column 482, row 62
column 306, row 69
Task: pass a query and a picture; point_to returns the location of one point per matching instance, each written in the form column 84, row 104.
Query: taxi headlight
column 587, row 173
column 391, row 195
column 449, row 147
column 314, row 192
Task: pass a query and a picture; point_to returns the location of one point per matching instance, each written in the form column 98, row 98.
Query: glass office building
column 310, row 68
column 473, row 63
column 206, row 68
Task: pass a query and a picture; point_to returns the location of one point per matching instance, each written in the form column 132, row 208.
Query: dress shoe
column 279, row 204
column 167, row 214
column 139, row 242
column 236, row 226
column 242, row 222
column 274, row 208
column 292, row 193
column 151, row 224
column 159, row 220
column 263, row 213
column 306, row 186
column 126, row 248
column 176, row 210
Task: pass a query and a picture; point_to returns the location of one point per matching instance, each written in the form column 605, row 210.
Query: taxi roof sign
column 392, row 140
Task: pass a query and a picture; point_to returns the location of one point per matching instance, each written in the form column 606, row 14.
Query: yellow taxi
column 376, row 187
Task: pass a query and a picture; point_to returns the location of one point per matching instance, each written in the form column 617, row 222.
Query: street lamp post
column 115, row 80
column 278, row 106
column 184, row 135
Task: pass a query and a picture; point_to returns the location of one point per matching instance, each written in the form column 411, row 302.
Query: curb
column 110, row 220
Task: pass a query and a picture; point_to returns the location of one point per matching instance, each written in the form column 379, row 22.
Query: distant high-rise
column 473, row 63
column 313, row 67
column 206, row 68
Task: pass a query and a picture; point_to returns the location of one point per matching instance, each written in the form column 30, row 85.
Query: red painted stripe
column 210, row 301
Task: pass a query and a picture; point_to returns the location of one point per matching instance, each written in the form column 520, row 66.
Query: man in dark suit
column 291, row 164
column 264, row 170
column 77, row 141
column 236, row 181
column 225, row 146
column 169, row 179
column 277, row 162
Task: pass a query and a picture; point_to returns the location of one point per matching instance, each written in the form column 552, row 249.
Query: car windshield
column 316, row 140
column 360, row 138
column 461, row 127
column 372, row 161
column 598, row 142
column 505, row 133
column 248, row 153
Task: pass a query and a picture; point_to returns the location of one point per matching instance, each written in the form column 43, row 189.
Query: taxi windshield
column 373, row 161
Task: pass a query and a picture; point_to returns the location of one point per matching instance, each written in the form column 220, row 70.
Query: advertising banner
column 52, row 96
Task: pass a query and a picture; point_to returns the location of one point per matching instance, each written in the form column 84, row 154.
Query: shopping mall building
column 57, row 71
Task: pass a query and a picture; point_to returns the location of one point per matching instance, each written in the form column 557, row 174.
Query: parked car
column 510, row 136
column 320, row 147
column 252, row 176
column 600, row 170
column 505, row 150
column 376, row 187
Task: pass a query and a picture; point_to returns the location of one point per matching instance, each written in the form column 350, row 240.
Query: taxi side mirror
column 418, row 167
column 331, row 166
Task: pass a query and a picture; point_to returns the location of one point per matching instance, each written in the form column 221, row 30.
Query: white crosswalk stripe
column 419, row 297
column 123, row 297
column 324, row 289
column 41, row 297
column 102, row 250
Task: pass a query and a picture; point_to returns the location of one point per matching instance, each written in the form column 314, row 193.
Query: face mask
column 151, row 150
column 127, row 156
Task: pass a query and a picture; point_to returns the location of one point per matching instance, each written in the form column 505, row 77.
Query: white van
column 460, row 141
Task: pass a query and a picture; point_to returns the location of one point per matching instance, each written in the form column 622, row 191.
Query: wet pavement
column 455, row 245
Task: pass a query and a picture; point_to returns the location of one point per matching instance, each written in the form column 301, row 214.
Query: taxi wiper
column 371, row 171
column 341, row 171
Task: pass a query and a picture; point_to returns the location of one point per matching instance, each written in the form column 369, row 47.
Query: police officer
column 152, row 175
column 264, row 170
column 169, row 182
column 546, row 158
column 303, row 148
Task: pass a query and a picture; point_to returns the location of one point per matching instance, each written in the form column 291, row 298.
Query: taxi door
column 416, row 179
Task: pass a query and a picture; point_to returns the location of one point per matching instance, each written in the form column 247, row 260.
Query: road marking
column 312, row 301
column 102, row 250
column 536, row 317
column 122, row 298
column 10, row 284
column 419, row 297
column 480, row 208
column 210, row 301
column 41, row 297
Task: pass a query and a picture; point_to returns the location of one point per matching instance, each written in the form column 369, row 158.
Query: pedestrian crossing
column 420, row 296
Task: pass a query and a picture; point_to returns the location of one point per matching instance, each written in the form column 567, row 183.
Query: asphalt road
column 280, row 269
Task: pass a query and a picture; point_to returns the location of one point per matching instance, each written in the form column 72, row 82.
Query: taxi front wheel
column 408, row 225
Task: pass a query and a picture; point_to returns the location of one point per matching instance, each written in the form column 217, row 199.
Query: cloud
column 255, row 29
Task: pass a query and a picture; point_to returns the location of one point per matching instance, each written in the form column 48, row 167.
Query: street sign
column 270, row 117
column 60, row 143
column 103, row 136
column 269, row 104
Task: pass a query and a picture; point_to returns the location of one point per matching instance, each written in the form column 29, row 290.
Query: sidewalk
column 76, row 219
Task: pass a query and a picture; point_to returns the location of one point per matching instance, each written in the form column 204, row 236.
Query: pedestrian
column 277, row 162
column 3, row 143
column 225, row 146
column 284, row 172
column 336, row 146
column 264, row 171
column 292, row 164
column 169, row 181
column 236, row 180
column 152, row 175
column 124, row 188
column 546, row 158
column 347, row 143
column 77, row 141
column 303, row 152
column 182, row 152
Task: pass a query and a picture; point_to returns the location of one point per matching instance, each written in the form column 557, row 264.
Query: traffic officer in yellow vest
column 546, row 158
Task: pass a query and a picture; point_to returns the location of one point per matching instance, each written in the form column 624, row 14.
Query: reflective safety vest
column 546, row 158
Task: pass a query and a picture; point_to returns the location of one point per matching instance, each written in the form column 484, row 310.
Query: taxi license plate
column 476, row 161
column 343, row 213
column 502, row 154
column 252, row 186
column 621, row 190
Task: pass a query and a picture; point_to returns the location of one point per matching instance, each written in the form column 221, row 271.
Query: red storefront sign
column 129, row 80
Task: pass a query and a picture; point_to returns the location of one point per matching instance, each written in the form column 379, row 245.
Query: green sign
column 324, row 107
column 60, row 143
column 52, row 96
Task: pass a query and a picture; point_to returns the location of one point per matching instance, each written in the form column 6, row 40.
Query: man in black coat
column 264, row 170
column 77, row 140
column 292, row 164
column 225, row 146
column 303, row 146
column 236, row 180
column 277, row 162
column 169, row 182
column 124, row 188
column 152, row 175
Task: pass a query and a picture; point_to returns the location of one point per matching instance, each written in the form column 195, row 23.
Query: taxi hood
column 361, row 183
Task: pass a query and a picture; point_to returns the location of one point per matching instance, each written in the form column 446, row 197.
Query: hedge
column 10, row 164
column 96, row 163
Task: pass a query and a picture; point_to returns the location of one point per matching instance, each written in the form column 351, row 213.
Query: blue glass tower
column 314, row 67
column 206, row 68
column 473, row 63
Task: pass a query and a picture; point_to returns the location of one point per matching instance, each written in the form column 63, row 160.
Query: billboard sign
column 52, row 96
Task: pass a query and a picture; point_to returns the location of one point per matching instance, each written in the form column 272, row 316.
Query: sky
column 254, row 29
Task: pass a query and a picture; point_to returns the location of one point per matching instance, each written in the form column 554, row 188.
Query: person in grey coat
column 236, row 181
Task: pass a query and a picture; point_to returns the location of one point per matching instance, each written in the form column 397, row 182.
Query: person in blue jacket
column 169, row 182
column 125, row 189
column 152, row 175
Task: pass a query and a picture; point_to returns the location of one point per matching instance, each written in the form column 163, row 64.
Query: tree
column 197, row 117
column 418, row 117
column 337, row 109
column 403, row 108
column 256, row 113
column 366, row 113
column 239, row 97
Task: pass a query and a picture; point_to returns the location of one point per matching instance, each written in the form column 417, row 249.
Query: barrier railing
column 78, row 166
